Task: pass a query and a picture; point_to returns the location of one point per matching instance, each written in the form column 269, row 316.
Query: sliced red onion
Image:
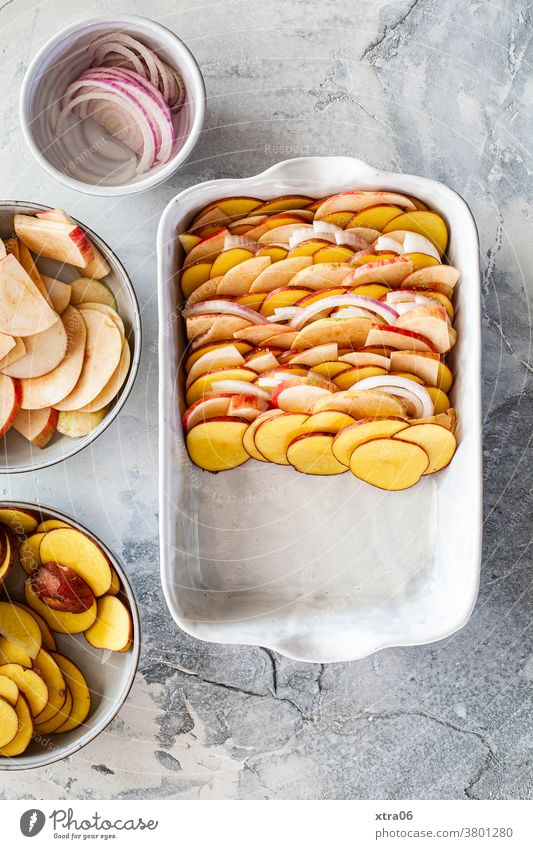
column 394, row 385
column 387, row 313
column 220, row 307
column 237, row 387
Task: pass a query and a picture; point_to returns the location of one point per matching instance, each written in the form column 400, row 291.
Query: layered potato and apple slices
column 64, row 354
column 70, row 588
column 318, row 332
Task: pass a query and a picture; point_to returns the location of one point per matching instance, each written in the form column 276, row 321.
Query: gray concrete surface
column 442, row 89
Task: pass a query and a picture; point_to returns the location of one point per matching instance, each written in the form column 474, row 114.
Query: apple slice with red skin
column 356, row 201
column 37, row 426
column 61, row 588
column 23, row 310
column 281, row 340
column 114, row 385
column 213, row 407
column 7, row 343
column 44, row 352
column 216, row 444
column 58, row 293
column 10, row 401
column 208, row 249
column 311, row 454
column 314, row 356
column 345, row 332
column 389, row 271
column 54, row 240
column 205, row 329
column 300, row 396
column 399, row 338
column 103, row 349
column 237, row 280
column 202, row 385
column 360, row 359
column 71, row 547
column 206, row 291
column 259, row 334
column 321, row 275
column 51, row 388
column 262, row 362
column 247, row 406
column 364, row 404
column 361, row 431
column 226, row 357
column 274, row 434
column 98, row 267
column 430, row 322
column 279, row 274
column 426, row 365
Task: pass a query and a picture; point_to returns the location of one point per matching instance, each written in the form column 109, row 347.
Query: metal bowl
column 16, row 453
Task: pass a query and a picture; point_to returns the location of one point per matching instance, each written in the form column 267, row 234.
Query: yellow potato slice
column 427, row 224
column 25, row 730
column 73, row 548
column 389, row 464
column 273, row 436
column 441, row 402
column 81, row 695
column 362, row 431
column 311, row 454
column 347, row 378
column 202, row 385
column 19, row 627
column 438, row 442
column 113, row 629
column 49, row 671
column 59, row 620
column 217, row 444
column 248, row 438
column 8, row 690
column 330, row 368
column 30, row 685
column 228, row 260
column 59, row 718
column 376, row 217
column 8, row 723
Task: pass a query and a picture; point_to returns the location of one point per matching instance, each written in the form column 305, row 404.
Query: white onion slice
column 352, row 239
column 302, row 234
column 352, row 312
column 394, row 385
column 237, row 387
column 414, row 243
column 232, row 241
column 385, row 243
column 387, row 313
column 219, row 307
column 323, row 228
column 284, row 313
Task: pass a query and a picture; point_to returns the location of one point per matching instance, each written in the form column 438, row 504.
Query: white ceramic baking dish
column 320, row 569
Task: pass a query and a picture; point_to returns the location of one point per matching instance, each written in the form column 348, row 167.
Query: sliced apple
column 247, row 406
column 204, row 329
column 8, row 723
column 430, row 322
column 360, row 359
column 113, row 629
column 346, row 379
column 24, row 733
column 26, row 260
column 102, row 355
column 388, row 463
column 204, row 292
column 367, row 404
column 285, row 296
column 275, row 252
column 359, row 200
column 50, row 389
column 7, row 343
column 320, row 294
column 105, row 310
column 308, row 248
column 228, row 259
column 230, row 207
column 215, row 406
column 203, row 384
column 259, row 334
column 226, row 356
column 273, row 436
column 10, row 401
column 30, row 684
column 428, row 224
column 77, row 423
column 57, row 620
column 362, row 431
column 237, row 280
column 282, row 340
column 216, row 444
column 54, row 239
column 299, row 397
column 262, row 361
column 97, row 267
column 81, row 695
column 321, row 275
column 400, row 338
column 441, row 278
column 279, row 274
column 389, row 271
column 330, row 368
column 345, row 332
column 23, row 310
column 8, row 690
column 329, row 421
column 15, row 347
column 319, row 354
column 10, row 653
column 208, row 249
column 46, row 667
column 113, row 386
column 37, row 426
column 447, row 419
column 44, row 352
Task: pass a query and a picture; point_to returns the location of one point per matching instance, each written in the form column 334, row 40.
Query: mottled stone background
column 441, row 88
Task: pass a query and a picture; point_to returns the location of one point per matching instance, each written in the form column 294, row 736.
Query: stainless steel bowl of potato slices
column 69, row 636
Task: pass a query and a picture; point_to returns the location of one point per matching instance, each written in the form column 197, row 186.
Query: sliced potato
column 217, row 444
column 362, row 431
column 386, row 465
column 438, row 442
column 311, row 454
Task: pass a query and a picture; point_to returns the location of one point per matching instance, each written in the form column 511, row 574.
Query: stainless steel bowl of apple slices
column 70, row 336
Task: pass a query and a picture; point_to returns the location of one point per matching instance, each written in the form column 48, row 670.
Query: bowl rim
column 125, row 392
column 148, row 182
column 287, row 171
column 16, row 764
